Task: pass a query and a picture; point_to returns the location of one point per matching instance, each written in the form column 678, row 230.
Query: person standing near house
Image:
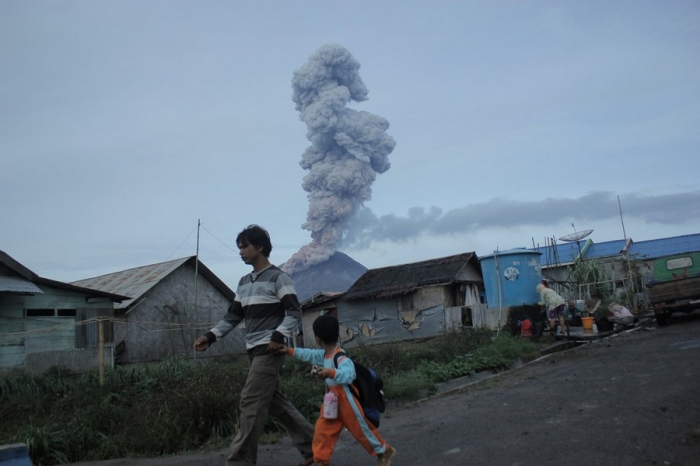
column 267, row 303
column 554, row 306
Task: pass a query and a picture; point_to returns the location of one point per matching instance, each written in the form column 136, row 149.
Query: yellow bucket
column 587, row 323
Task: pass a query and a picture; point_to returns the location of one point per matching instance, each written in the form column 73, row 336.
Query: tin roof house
column 172, row 303
column 47, row 324
column 403, row 302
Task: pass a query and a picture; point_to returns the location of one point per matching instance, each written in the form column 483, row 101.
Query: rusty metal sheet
column 133, row 282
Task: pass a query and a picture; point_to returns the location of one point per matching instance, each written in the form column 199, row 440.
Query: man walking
column 266, row 301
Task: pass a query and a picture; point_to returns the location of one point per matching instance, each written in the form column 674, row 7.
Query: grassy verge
column 176, row 406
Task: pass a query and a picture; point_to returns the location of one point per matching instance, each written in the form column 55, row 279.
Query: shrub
column 47, row 443
column 408, row 386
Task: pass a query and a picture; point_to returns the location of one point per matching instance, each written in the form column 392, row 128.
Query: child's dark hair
column 257, row 236
column 326, row 327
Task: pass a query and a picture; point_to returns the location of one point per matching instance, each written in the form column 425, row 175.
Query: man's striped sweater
column 267, row 303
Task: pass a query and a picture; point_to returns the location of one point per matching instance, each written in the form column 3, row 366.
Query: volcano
column 337, row 274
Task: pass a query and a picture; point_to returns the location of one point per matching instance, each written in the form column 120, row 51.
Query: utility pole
column 101, row 331
column 632, row 299
column 196, row 274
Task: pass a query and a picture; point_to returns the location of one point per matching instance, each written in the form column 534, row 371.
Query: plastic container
column 587, row 323
column 510, row 277
column 330, row 406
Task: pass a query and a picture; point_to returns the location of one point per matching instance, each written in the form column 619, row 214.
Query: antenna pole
column 196, row 268
column 196, row 273
column 619, row 206
column 500, row 301
column 627, row 256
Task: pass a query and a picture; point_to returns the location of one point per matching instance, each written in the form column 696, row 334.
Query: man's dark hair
column 327, row 328
column 257, row 236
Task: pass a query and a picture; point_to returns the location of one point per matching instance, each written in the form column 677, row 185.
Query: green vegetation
column 594, row 277
column 177, row 406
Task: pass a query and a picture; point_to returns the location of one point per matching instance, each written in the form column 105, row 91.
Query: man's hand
column 201, row 344
column 276, row 348
column 282, row 350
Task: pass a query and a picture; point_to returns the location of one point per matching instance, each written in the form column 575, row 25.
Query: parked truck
column 675, row 286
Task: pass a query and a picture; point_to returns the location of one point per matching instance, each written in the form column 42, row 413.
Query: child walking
column 338, row 379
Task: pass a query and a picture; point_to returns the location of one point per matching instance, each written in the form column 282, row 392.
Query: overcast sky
column 124, row 123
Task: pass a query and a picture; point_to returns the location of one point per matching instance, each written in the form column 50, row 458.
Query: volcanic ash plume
column 348, row 149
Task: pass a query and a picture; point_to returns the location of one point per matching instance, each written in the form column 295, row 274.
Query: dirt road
column 632, row 399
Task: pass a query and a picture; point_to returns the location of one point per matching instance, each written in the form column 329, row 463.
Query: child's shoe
column 385, row 458
column 310, row 462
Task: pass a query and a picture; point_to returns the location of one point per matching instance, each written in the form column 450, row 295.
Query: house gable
column 171, row 306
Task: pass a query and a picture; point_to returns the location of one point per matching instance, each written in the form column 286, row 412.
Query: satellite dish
column 576, row 236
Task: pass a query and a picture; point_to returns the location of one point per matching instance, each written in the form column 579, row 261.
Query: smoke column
column 348, row 148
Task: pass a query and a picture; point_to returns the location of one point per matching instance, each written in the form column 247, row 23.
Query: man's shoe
column 234, row 460
column 385, row 458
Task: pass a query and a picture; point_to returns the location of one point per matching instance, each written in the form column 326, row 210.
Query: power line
column 212, row 234
column 176, row 249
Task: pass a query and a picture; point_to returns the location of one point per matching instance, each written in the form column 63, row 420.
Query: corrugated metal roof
column 137, row 281
column 133, row 282
column 28, row 275
column 605, row 249
column 561, row 254
column 648, row 250
column 18, row 285
column 655, row 248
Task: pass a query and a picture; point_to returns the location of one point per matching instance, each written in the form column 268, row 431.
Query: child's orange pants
column 350, row 416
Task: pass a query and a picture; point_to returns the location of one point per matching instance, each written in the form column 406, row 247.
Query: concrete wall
column 166, row 322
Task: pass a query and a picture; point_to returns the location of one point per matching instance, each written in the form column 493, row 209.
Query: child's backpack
column 368, row 386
